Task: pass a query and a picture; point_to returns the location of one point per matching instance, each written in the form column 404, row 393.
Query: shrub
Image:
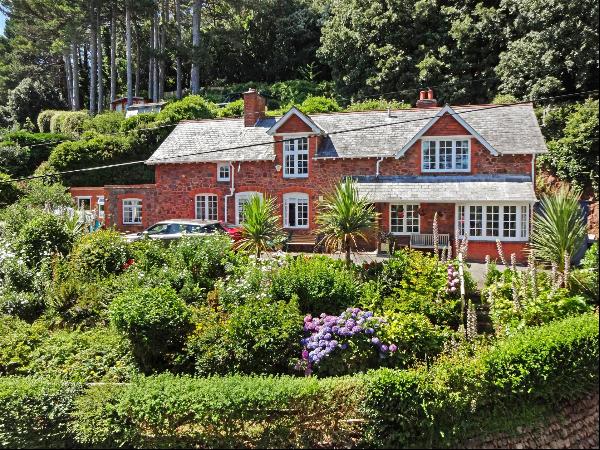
column 73, row 122
column 14, row 159
column 138, row 121
column 260, row 336
column 584, row 281
column 9, row 191
column 314, row 105
column 226, row 412
column 24, row 305
column 98, row 355
column 150, row 254
column 35, row 413
column 415, row 337
column 320, row 283
column 106, row 123
column 380, row 104
column 44, row 118
column 459, row 397
column 102, row 252
column 189, row 108
column 232, row 109
column 23, row 151
column 41, row 237
column 57, row 120
column 154, row 319
column 442, row 311
column 203, row 258
column 18, row 339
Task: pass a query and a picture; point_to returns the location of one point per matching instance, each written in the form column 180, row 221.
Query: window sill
column 423, row 171
column 295, row 176
column 494, row 239
column 223, row 180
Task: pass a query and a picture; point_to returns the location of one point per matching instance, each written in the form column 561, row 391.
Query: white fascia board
column 447, row 109
column 295, row 111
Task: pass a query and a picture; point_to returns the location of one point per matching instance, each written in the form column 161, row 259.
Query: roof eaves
column 295, row 111
column 447, row 109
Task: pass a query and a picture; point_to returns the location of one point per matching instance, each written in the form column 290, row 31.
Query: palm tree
column 345, row 217
column 559, row 230
column 260, row 230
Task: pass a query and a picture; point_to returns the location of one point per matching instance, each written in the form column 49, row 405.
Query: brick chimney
column 254, row 107
column 426, row 99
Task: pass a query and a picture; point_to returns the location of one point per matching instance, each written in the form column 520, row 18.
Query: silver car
column 169, row 230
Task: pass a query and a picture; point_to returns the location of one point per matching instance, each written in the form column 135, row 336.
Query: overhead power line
column 259, row 144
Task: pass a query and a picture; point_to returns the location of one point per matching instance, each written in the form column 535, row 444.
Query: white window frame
column 100, row 202
column 139, row 216
column 520, row 227
column 290, row 148
column 404, row 206
column 247, row 195
column 83, row 197
column 296, row 197
column 207, row 208
column 223, row 166
column 436, row 140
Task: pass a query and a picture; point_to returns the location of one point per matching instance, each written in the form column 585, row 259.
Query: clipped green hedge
column 35, row 413
column 459, row 397
column 443, row 406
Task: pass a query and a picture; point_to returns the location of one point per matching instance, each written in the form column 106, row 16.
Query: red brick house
column 473, row 165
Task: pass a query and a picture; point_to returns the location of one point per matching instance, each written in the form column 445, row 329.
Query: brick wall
column 574, row 425
column 178, row 184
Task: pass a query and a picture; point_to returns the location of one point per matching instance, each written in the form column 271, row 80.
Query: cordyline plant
column 260, row 230
column 345, row 217
column 559, row 230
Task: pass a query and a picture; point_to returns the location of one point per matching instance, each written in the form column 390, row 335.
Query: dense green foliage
column 455, row 398
column 452, row 400
column 101, row 253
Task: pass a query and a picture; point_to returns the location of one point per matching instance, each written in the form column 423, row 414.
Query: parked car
column 168, row 230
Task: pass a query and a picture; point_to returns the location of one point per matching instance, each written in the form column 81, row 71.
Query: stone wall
column 575, row 425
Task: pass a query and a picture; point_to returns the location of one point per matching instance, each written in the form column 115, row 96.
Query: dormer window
column 295, row 157
column 446, row 155
column 223, row 172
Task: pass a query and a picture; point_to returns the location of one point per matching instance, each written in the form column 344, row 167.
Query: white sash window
column 206, row 207
column 295, row 157
column 132, row 211
column 446, row 154
column 404, row 218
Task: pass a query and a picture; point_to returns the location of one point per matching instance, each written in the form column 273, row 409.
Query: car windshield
column 211, row 228
column 159, row 228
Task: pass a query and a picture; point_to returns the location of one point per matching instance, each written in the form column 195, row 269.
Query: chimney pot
column 426, row 99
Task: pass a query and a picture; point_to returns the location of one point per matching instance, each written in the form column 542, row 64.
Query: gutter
column 231, row 189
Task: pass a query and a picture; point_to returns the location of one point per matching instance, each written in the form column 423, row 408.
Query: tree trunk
column 113, row 53
column 75, row 62
column 68, row 78
column 195, row 78
column 155, row 44
column 100, row 62
column 93, row 51
column 151, row 63
column 348, row 253
column 128, row 53
column 163, row 45
column 138, row 61
column 179, row 88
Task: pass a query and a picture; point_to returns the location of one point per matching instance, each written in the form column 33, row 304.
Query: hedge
column 436, row 407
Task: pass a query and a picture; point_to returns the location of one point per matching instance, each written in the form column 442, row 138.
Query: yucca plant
column 559, row 229
column 260, row 230
column 344, row 217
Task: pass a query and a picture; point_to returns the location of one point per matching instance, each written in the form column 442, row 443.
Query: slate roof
column 509, row 129
column 464, row 189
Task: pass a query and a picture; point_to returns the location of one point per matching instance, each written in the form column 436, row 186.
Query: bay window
column 491, row 222
column 295, row 157
column 206, row 207
column 404, row 218
column 132, row 211
column 446, row 155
